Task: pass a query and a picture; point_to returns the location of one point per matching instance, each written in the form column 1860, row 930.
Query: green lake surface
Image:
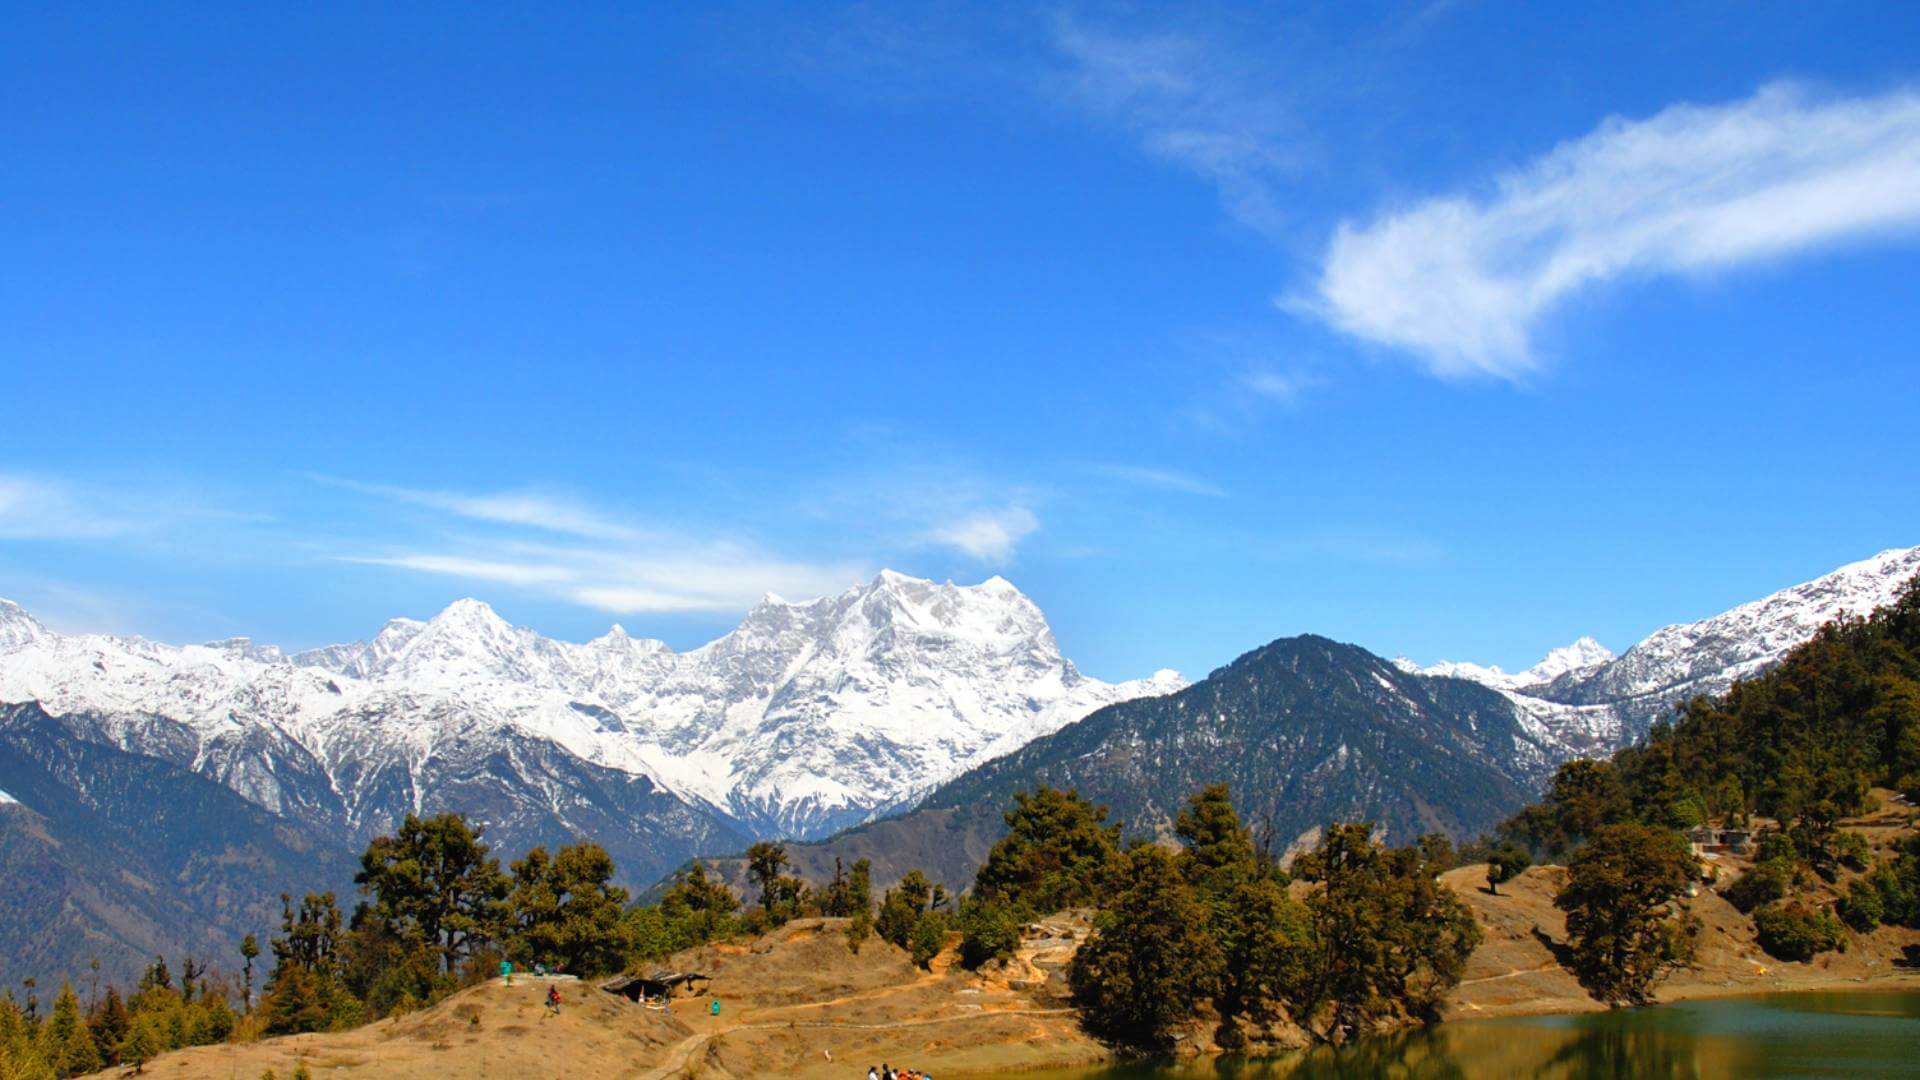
column 1862, row 1034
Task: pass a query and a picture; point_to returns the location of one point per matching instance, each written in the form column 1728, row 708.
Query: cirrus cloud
column 988, row 535
column 1462, row 281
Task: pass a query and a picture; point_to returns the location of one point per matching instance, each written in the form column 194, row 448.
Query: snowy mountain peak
column 1582, row 655
column 1586, row 702
column 244, row 648
column 472, row 614
column 17, row 628
column 804, row 718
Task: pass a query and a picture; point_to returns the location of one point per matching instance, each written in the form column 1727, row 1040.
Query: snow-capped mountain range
column 806, row 718
column 1584, row 700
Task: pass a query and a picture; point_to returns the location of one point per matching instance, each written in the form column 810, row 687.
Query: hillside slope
column 119, row 857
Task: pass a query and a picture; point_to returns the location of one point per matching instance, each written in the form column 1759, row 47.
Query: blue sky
column 1453, row 329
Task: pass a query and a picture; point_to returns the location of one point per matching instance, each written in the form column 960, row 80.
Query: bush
column 1775, row 845
column 988, row 932
column 1504, row 863
column 1850, row 848
column 859, row 929
column 1797, row 932
column 929, row 937
column 1767, row 882
column 1863, row 909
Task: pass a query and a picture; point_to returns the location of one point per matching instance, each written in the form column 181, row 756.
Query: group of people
column 888, row 1072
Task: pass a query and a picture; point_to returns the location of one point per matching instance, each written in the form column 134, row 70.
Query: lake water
column 1782, row 1035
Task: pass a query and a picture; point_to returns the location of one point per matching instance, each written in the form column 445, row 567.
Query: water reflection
column 1835, row 1034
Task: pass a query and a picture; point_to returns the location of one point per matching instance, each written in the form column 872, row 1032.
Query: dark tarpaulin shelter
column 660, row 984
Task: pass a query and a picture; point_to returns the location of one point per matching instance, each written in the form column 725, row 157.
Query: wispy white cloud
column 545, row 511
column 461, row 566
column 34, row 508
column 624, row 580
column 1277, row 384
column 1164, row 479
column 583, row 554
column 40, row 506
column 1462, row 281
column 1186, row 101
column 987, row 535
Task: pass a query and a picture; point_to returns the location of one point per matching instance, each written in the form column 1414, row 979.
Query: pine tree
column 65, row 1041
column 249, row 951
column 1391, row 940
column 902, row 909
column 1260, row 930
column 109, row 1024
column 20, row 1052
column 145, row 1041
column 699, row 907
column 302, row 993
column 765, row 862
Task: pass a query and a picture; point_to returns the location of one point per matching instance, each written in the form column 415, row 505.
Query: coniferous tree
column 146, row 1039
column 1261, row 931
column 902, row 908
column 20, row 1050
column 765, row 864
column 304, row 993
column 109, row 1023
column 65, row 1041
column 249, row 951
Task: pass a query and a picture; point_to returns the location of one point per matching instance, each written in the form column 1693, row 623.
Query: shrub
column 1774, row 845
column 1863, row 909
column 1504, row 863
column 1797, row 932
column 1850, row 848
column 988, row 932
column 1767, row 882
column 859, row 929
column 929, row 937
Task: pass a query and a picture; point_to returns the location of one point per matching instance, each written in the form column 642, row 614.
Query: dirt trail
column 681, row 1055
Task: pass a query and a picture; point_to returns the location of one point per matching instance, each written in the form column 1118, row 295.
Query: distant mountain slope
column 1305, row 729
column 119, row 857
column 807, row 717
column 1309, row 731
column 1594, row 703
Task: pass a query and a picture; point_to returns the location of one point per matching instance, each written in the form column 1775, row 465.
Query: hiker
column 553, row 998
column 873, row 1073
